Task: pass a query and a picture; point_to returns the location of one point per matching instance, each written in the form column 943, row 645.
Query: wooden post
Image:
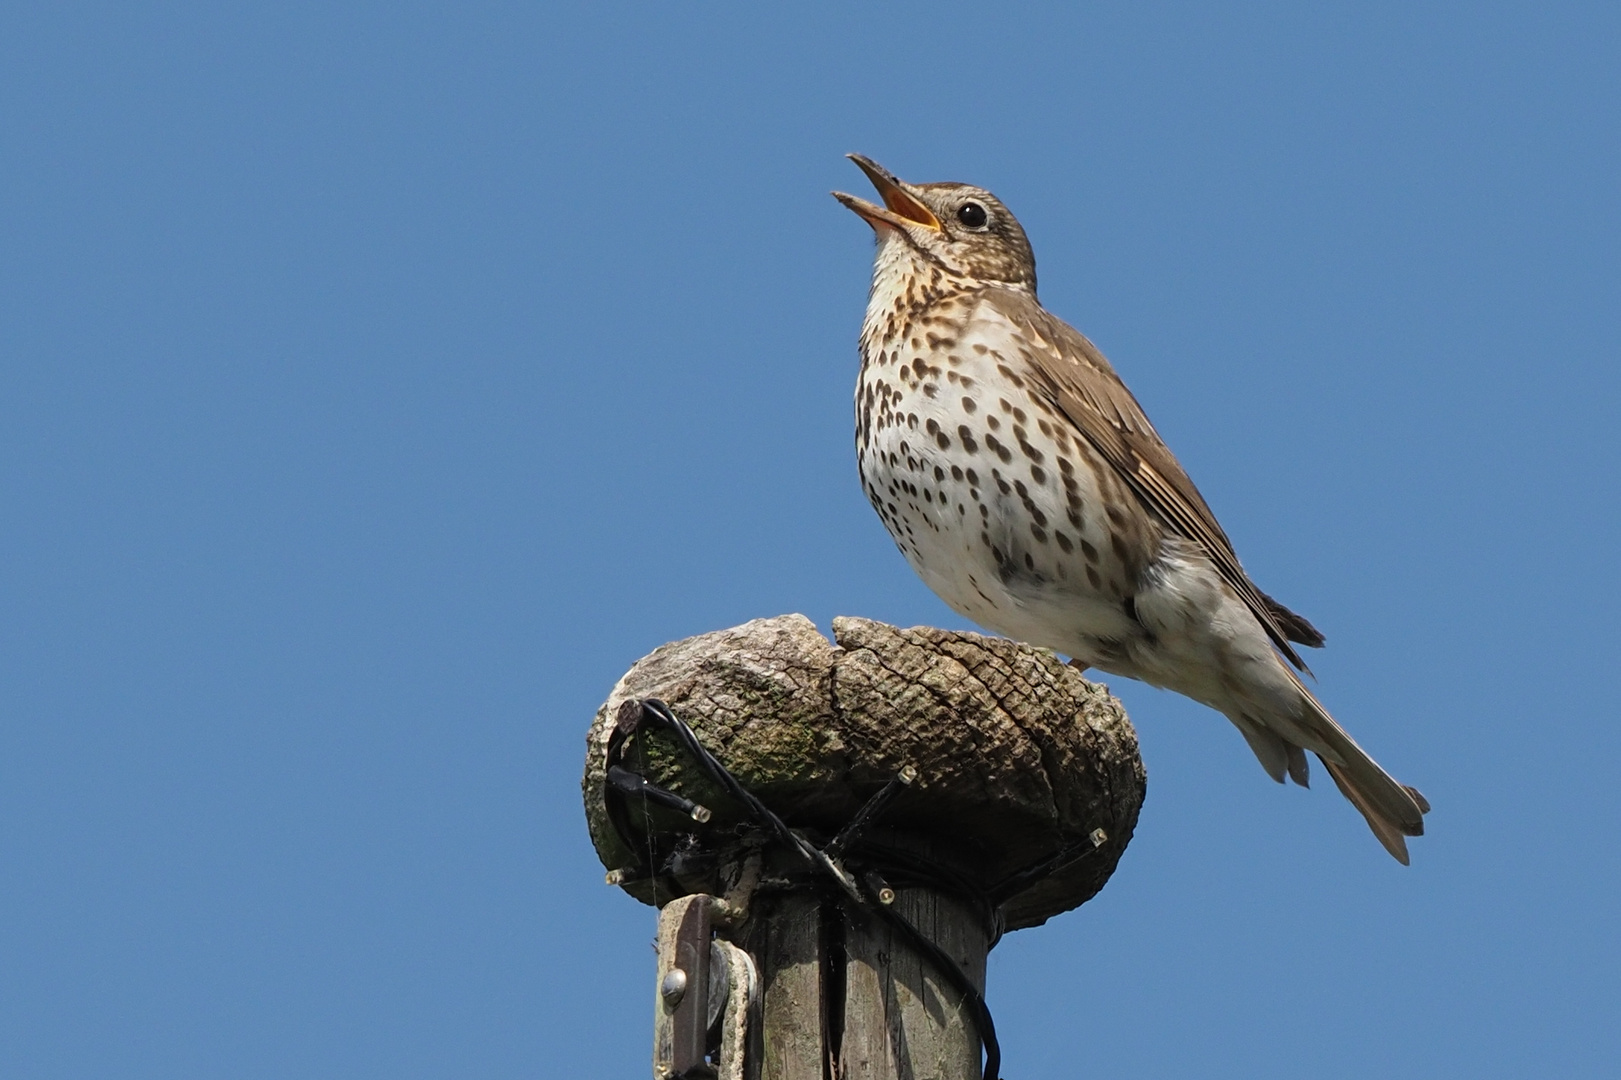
column 1017, row 759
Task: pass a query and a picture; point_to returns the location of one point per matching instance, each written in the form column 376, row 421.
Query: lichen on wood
column 1018, row 756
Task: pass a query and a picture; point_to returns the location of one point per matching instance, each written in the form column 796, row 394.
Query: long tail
column 1394, row 811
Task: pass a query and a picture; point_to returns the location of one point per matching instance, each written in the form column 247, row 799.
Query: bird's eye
column 972, row 215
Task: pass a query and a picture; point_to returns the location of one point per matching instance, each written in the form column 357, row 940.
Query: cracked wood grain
column 1018, row 756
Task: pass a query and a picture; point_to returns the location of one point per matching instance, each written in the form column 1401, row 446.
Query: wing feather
column 1080, row 381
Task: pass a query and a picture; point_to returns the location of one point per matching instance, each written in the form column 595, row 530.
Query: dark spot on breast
column 1002, row 486
column 967, row 438
column 968, row 405
column 1038, row 532
column 997, row 448
column 1065, row 467
column 1018, row 415
column 943, row 440
column 980, row 349
column 992, row 422
column 1116, row 518
column 1010, row 375
column 1063, row 542
column 1089, row 551
column 956, row 472
column 930, row 390
column 1038, row 474
column 1092, row 576
column 1118, row 543
column 973, row 477
column 939, row 473
column 1029, row 561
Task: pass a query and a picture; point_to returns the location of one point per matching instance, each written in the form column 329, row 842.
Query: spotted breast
column 1001, row 510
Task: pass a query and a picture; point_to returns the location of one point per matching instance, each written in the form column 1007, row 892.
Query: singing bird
column 1026, row 486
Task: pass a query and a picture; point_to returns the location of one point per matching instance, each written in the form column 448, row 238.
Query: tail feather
column 1392, row 809
column 1390, row 835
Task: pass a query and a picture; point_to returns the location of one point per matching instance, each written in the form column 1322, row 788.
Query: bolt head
column 673, row 988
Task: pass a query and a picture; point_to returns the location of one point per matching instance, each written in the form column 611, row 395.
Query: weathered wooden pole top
column 1017, row 756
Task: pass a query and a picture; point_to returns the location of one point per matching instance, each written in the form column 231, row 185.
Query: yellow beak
column 901, row 208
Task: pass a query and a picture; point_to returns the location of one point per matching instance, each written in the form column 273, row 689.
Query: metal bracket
column 707, row 992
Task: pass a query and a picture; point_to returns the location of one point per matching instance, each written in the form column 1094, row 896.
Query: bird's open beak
column 901, row 208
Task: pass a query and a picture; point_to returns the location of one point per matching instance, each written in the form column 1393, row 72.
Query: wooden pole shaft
column 850, row 999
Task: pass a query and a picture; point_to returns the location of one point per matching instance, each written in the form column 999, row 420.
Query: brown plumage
column 1025, row 484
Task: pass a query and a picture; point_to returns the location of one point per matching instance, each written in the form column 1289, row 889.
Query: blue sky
column 378, row 383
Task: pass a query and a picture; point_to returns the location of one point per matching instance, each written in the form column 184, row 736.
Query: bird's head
column 961, row 229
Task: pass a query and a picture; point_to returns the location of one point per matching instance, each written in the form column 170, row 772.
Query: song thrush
column 1025, row 485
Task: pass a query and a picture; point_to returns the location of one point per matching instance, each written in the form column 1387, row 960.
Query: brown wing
column 1085, row 387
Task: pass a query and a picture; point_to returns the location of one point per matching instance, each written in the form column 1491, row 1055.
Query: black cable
column 946, row 965
column 660, row 717
column 761, row 813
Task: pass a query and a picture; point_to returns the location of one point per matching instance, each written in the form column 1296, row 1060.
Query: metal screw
column 886, row 896
column 700, row 814
column 614, row 877
column 1099, row 838
column 673, row 988
column 908, row 774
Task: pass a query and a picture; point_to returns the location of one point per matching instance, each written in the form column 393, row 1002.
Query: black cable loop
column 864, row 903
